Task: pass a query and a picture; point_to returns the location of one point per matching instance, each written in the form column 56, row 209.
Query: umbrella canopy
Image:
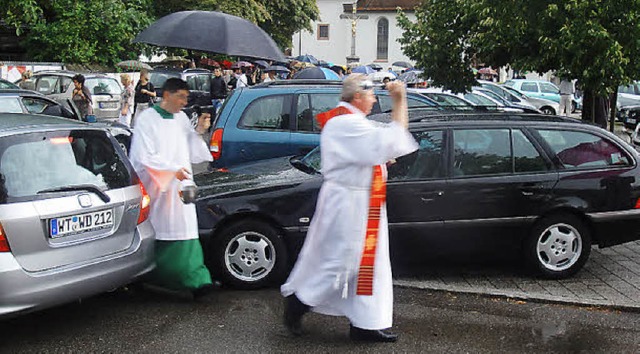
column 261, row 63
column 317, row 73
column 240, row 64
column 487, row 71
column 277, row 68
column 375, row 66
column 307, row 58
column 208, row 61
column 193, row 30
column 363, row 70
column 380, row 75
column 402, row 64
column 411, row 77
column 133, row 65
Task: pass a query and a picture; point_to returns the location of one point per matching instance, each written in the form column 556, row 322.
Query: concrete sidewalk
column 611, row 277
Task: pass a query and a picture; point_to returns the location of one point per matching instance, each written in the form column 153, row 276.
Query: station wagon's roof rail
column 301, row 82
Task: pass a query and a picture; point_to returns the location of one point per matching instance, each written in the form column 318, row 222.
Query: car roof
column 11, row 122
column 179, row 71
column 70, row 73
column 462, row 117
column 19, row 92
column 298, row 82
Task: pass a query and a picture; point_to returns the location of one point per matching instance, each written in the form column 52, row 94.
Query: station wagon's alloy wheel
column 250, row 255
column 558, row 247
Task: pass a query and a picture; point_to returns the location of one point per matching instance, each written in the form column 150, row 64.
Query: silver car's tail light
column 4, row 244
column 145, row 204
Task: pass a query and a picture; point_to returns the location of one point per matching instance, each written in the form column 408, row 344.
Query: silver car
column 73, row 214
column 105, row 91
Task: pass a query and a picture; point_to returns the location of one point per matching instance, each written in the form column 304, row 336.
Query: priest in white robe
column 343, row 268
column 163, row 147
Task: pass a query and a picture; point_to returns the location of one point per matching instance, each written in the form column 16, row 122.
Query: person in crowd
column 265, row 77
column 144, row 95
column 25, row 82
column 81, row 97
column 218, row 89
column 162, row 150
column 241, row 78
column 566, row 95
column 343, row 268
column 126, row 101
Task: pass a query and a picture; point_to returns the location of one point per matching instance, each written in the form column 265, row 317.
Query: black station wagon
column 542, row 189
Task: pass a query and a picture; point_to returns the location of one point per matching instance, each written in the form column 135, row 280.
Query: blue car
column 277, row 119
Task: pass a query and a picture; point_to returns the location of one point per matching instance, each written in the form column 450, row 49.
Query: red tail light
column 145, row 204
column 637, row 204
column 4, row 244
column 215, row 144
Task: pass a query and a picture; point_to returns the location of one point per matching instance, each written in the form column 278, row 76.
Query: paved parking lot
column 611, row 277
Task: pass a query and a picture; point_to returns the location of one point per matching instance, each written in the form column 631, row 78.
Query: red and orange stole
column 377, row 197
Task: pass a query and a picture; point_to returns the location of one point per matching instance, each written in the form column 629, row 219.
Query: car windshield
column 310, row 163
column 103, row 86
column 158, row 78
column 35, row 164
column 10, row 105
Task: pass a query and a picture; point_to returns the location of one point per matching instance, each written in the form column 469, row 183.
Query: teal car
column 540, row 89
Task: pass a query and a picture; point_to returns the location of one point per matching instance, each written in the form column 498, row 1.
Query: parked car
column 543, row 189
column 543, row 105
column 105, row 90
column 73, row 214
column 25, row 101
column 198, row 80
column 277, row 119
column 515, row 100
column 4, row 84
column 540, row 89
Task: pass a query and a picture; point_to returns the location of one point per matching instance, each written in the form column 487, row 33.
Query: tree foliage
column 594, row 41
column 100, row 31
column 92, row 31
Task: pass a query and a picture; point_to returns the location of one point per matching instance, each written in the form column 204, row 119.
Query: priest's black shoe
column 372, row 335
column 294, row 309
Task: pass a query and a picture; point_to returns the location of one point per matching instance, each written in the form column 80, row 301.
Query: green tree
column 92, row 31
column 594, row 41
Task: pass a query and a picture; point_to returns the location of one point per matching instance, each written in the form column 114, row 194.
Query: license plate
column 108, row 104
column 77, row 224
column 631, row 120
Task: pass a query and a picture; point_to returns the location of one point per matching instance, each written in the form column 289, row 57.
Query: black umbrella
column 261, row 63
column 277, row 68
column 402, row 64
column 209, row 31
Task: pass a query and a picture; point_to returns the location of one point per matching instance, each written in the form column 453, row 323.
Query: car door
column 549, row 91
column 263, row 130
column 499, row 183
column 306, row 131
column 415, row 197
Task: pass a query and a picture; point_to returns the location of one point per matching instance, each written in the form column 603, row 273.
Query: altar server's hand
column 183, row 174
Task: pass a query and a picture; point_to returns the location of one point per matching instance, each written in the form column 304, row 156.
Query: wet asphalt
column 250, row 321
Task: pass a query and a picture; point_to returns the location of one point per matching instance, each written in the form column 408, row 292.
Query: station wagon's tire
column 558, row 246
column 548, row 110
column 249, row 255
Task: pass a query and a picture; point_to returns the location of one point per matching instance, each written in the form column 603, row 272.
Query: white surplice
column 159, row 148
column 325, row 275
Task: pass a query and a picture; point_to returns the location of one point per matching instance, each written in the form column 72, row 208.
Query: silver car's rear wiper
column 79, row 187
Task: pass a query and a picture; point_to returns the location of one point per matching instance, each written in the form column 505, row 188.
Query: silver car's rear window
column 36, row 162
column 103, row 86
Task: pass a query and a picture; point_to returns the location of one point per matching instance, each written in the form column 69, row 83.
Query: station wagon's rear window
column 36, row 162
column 577, row 149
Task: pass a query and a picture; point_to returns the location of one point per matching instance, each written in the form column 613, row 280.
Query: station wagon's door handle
column 429, row 197
column 527, row 193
